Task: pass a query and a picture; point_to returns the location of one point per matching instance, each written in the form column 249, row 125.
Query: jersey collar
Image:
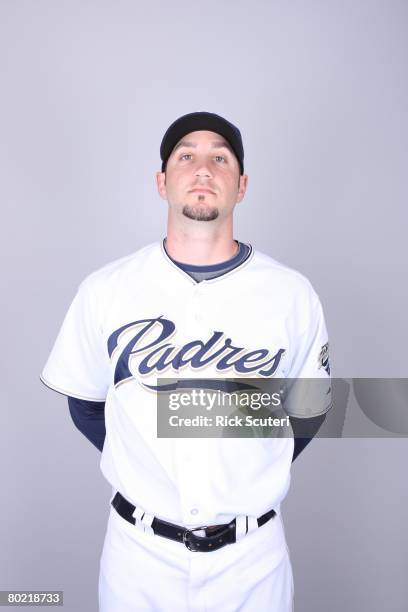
column 210, row 280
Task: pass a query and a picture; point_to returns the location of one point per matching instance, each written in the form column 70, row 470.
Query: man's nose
column 203, row 170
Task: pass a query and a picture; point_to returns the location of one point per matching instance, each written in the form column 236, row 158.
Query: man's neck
column 201, row 251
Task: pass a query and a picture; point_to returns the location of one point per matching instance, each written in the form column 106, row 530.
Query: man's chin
column 198, row 213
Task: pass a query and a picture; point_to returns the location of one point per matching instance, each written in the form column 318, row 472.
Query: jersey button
column 194, row 511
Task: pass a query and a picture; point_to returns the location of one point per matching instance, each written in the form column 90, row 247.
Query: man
column 198, row 305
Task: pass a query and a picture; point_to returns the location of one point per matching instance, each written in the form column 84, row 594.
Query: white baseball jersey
column 142, row 318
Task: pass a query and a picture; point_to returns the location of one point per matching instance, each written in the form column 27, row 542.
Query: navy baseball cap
column 201, row 121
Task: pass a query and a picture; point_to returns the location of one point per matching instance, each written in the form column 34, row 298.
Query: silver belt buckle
column 190, row 544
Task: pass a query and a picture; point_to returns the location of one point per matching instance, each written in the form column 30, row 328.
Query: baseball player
column 194, row 523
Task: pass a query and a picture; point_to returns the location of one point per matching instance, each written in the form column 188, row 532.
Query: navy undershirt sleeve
column 304, row 431
column 89, row 418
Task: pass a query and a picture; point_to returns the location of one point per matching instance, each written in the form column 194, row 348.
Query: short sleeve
column 308, row 390
column 78, row 365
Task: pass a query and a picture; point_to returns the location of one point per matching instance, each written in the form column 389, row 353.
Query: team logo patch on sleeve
column 324, row 358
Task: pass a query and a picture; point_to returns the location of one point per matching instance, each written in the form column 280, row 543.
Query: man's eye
column 217, row 157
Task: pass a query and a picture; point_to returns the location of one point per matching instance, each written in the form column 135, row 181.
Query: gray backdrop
column 319, row 91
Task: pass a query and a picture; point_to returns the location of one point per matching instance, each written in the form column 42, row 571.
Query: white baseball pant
column 142, row 571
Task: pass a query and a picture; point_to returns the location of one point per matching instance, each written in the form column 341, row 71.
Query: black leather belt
column 215, row 536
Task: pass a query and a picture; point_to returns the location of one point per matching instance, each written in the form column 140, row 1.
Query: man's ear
column 161, row 184
column 243, row 183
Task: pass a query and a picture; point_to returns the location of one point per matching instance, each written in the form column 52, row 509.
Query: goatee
column 197, row 213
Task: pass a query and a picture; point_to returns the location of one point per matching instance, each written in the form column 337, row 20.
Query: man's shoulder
column 122, row 267
column 278, row 272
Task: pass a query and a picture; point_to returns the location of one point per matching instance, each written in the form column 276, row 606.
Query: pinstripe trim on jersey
column 70, row 393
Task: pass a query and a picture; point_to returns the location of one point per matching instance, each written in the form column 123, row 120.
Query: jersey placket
column 189, row 461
